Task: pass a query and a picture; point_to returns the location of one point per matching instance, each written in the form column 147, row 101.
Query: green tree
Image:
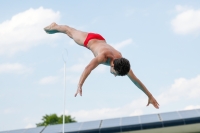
column 53, row 119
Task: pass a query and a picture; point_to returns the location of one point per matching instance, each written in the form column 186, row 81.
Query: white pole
column 64, row 95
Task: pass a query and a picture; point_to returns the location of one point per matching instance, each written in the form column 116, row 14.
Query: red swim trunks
column 92, row 36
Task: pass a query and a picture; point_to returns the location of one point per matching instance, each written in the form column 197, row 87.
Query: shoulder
column 113, row 55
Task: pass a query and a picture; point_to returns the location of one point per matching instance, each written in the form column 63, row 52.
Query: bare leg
column 77, row 35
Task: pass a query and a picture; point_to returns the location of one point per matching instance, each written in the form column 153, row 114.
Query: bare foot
column 51, row 28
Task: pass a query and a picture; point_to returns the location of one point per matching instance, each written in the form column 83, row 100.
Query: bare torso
column 100, row 47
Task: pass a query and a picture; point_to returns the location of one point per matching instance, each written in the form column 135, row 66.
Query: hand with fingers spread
column 79, row 90
column 153, row 101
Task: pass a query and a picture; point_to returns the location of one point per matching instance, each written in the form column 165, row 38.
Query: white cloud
column 73, row 79
column 29, row 122
column 192, row 107
column 25, row 30
column 136, row 112
column 16, row 68
column 187, row 21
column 132, row 109
column 181, row 89
column 9, row 111
column 180, row 8
column 122, row 44
column 79, row 67
column 49, row 80
column 30, row 126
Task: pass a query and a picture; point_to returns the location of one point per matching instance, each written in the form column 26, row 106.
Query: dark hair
column 121, row 66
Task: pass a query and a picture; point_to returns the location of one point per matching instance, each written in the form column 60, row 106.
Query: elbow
column 136, row 81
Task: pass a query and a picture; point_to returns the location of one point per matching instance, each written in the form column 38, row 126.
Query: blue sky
column 160, row 38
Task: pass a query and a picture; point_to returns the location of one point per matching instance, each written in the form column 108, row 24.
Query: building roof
column 177, row 121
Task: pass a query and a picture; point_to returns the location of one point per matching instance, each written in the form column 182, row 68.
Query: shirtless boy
column 104, row 54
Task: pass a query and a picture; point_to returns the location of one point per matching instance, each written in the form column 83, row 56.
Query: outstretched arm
column 141, row 86
column 92, row 65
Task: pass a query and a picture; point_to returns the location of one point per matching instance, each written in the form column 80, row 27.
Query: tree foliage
column 53, row 119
